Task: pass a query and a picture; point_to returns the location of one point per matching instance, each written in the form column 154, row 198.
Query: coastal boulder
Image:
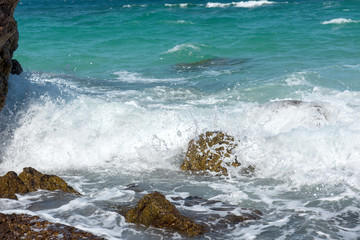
column 35, row 180
column 23, row 226
column 156, row 211
column 9, row 37
column 30, row 180
column 11, row 184
column 212, row 151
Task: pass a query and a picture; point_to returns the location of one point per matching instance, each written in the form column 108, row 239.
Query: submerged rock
column 35, row 180
column 220, row 215
column 31, row 180
column 315, row 112
column 156, row 211
column 211, row 151
column 9, row 37
column 22, row 226
column 11, row 184
column 209, row 63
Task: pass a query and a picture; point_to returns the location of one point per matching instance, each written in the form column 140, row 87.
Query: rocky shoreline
column 208, row 152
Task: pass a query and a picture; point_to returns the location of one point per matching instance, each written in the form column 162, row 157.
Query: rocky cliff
column 9, row 37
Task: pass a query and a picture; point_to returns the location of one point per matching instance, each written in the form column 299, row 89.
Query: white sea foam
column 309, row 142
column 299, row 78
column 339, row 21
column 132, row 77
column 181, row 5
column 302, row 151
column 241, row 4
column 184, row 47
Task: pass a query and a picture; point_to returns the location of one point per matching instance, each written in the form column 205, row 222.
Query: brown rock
column 209, row 151
column 22, row 226
column 156, row 211
column 9, row 37
column 11, row 184
column 35, row 180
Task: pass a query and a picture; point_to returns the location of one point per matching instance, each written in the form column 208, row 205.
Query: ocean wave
column 133, row 5
column 184, row 46
column 339, row 21
column 133, row 77
column 181, row 5
column 241, row 4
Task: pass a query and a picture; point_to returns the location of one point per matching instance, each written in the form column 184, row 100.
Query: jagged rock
column 9, row 37
column 22, row 226
column 30, row 180
column 16, row 67
column 11, row 184
column 156, row 211
column 35, row 180
column 211, row 151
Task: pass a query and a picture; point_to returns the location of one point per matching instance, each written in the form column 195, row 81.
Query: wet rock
column 211, row 151
column 22, row 226
column 35, row 180
column 16, row 67
column 11, row 184
column 220, row 215
column 156, row 211
column 30, row 180
column 9, row 37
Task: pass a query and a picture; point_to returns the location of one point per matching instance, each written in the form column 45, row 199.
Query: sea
column 113, row 91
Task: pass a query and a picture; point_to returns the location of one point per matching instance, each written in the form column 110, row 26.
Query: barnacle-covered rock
column 156, row 211
column 30, row 180
column 11, row 184
column 35, row 180
column 23, row 226
column 211, row 151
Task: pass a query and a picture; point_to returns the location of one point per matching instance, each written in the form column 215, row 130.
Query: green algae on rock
column 11, row 184
column 30, row 180
column 156, row 211
column 211, row 151
column 23, row 226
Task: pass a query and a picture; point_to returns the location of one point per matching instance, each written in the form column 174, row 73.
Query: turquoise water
column 114, row 90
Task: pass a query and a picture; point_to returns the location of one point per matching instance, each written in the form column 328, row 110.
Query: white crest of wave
column 182, row 5
column 184, row 46
column 339, row 21
column 132, row 77
column 296, row 79
column 312, row 141
column 241, row 4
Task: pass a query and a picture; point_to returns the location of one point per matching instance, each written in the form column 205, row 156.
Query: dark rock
column 211, row 151
column 35, row 180
column 11, row 184
column 16, row 67
column 22, row 226
column 156, row 211
column 209, row 63
column 220, row 216
column 9, row 37
column 31, row 180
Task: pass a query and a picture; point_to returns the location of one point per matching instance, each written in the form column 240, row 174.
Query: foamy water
column 339, row 21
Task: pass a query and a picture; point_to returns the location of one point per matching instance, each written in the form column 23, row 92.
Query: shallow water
column 114, row 90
